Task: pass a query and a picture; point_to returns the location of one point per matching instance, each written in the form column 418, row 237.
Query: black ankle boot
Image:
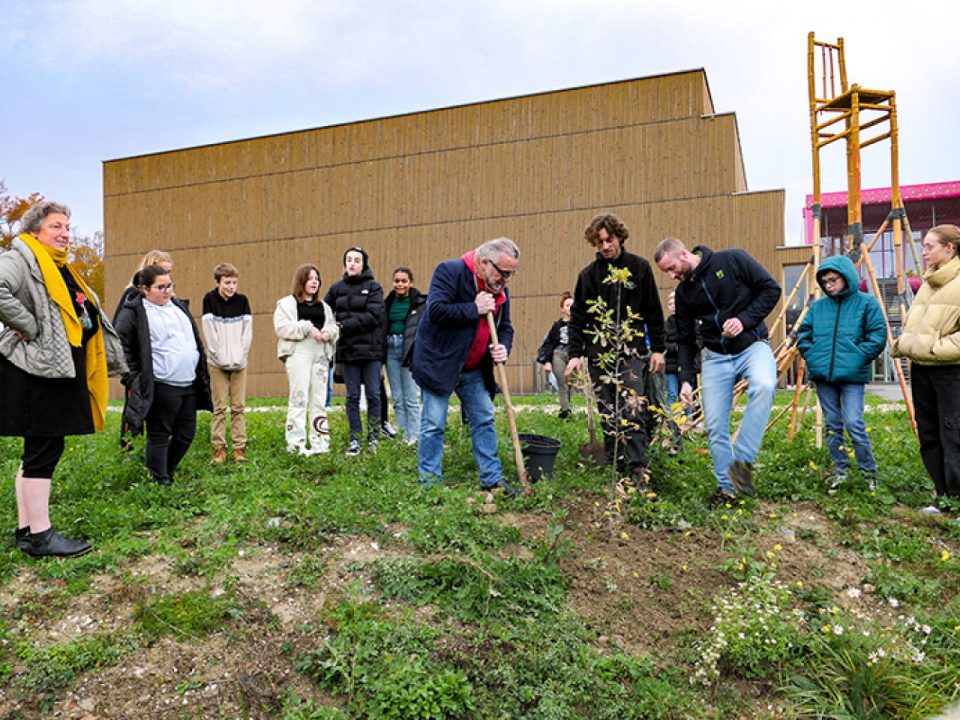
column 22, row 538
column 50, row 543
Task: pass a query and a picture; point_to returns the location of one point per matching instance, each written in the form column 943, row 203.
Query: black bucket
column 539, row 454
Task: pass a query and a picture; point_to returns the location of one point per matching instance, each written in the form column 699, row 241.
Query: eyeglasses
column 164, row 288
column 831, row 280
column 505, row 274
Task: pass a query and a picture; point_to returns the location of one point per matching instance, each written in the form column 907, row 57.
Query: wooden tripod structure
column 861, row 117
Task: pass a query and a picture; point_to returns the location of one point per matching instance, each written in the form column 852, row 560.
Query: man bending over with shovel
column 619, row 361
column 454, row 352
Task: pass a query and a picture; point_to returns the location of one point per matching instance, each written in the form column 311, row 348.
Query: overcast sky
column 92, row 80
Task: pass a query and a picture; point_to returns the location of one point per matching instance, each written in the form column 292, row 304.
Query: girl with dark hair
column 357, row 302
column 168, row 379
column 404, row 308
column 307, row 341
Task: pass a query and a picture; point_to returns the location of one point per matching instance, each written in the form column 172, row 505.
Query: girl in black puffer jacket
column 357, row 302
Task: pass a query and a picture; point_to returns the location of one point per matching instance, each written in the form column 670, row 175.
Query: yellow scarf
column 49, row 260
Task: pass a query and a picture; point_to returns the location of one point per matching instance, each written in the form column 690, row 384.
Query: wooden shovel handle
column 511, row 419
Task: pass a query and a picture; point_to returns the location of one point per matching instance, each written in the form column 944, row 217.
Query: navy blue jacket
column 726, row 284
column 841, row 335
column 448, row 328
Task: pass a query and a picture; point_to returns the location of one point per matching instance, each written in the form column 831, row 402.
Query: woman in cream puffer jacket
column 931, row 339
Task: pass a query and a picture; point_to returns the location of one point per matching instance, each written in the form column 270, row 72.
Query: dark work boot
column 22, row 537
column 50, row 543
column 741, row 475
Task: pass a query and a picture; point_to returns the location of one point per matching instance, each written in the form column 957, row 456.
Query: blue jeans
column 366, row 373
column 842, row 405
column 719, row 375
column 478, row 406
column 406, row 394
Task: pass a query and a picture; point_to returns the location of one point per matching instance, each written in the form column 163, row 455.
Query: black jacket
column 554, row 338
column 671, row 358
column 639, row 295
column 418, row 302
column 357, row 303
column 726, row 284
column 132, row 326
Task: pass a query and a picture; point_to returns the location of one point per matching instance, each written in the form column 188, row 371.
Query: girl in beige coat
column 931, row 339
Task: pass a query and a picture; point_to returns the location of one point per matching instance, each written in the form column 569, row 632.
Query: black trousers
column 624, row 418
column 936, row 401
column 41, row 455
column 171, row 426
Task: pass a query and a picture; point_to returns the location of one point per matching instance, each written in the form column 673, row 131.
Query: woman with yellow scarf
column 56, row 350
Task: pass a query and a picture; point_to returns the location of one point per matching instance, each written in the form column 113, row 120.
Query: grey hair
column 502, row 245
column 33, row 218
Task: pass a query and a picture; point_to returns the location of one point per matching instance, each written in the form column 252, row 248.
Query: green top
column 398, row 315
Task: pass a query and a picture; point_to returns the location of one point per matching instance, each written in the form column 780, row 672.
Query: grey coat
column 27, row 310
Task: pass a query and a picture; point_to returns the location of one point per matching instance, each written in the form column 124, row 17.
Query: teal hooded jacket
column 841, row 335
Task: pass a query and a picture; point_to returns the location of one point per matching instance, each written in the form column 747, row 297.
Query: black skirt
column 44, row 407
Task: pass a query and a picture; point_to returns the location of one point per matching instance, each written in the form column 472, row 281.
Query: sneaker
column 835, row 483
column 239, row 454
column 354, row 449
column 741, row 475
column 389, row 430
column 930, row 510
column 720, row 498
column 508, row 489
column 372, row 445
column 219, row 455
column 872, row 485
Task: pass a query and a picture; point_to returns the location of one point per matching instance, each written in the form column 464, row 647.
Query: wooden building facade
column 420, row 188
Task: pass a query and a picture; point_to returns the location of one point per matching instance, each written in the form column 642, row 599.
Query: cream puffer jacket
column 291, row 331
column 931, row 335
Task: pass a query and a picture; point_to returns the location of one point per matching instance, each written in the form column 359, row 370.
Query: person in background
column 728, row 294
column 839, row 338
column 57, row 348
column 307, row 332
column 931, row 340
column 624, row 407
column 228, row 329
column 131, row 292
column 357, row 302
column 554, row 354
column 168, row 380
column 404, row 309
column 454, row 353
column 672, row 359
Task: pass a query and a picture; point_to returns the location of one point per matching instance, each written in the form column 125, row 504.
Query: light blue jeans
column 478, row 406
column 842, row 405
column 719, row 375
column 406, row 394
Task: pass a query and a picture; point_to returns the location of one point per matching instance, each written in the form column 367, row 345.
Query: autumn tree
column 12, row 209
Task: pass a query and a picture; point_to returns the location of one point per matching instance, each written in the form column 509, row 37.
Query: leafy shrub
column 897, row 583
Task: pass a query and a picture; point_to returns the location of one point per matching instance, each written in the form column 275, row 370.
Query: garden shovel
column 511, row 418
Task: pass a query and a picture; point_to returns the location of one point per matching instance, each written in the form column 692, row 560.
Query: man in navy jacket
column 454, row 352
column 730, row 294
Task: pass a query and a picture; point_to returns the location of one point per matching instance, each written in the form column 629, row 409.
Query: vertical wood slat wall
column 417, row 189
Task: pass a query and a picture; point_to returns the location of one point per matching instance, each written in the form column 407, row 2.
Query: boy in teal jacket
column 841, row 335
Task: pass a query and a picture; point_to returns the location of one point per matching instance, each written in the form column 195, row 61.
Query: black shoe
column 501, row 484
column 163, row 482
column 389, row 430
column 22, row 538
column 50, row 543
column 721, row 498
column 563, row 414
column 741, row 475
column 835, row 483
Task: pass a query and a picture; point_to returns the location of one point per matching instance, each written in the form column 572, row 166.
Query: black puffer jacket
column 134, row 330
column 357, row 303
column 418, row 302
